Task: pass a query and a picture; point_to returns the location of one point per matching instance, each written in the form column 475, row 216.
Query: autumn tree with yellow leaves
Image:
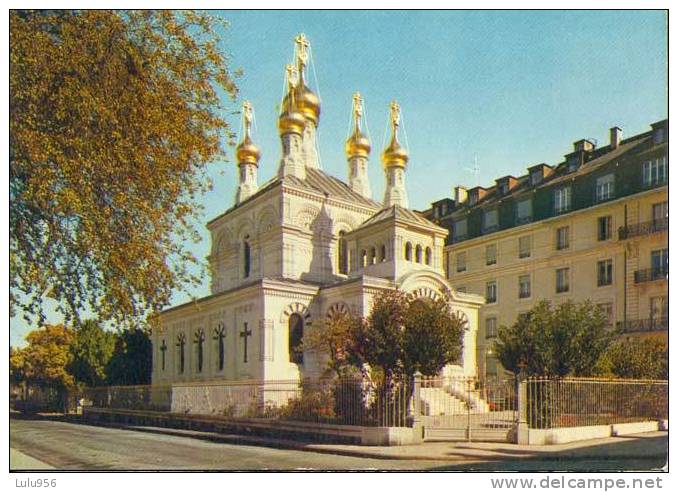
column 114, row 117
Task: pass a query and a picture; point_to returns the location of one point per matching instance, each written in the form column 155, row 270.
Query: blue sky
column 514, row 87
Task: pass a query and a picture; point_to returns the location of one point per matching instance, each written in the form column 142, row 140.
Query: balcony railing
column 643, row 228
column 651, row 274
column 643, row 325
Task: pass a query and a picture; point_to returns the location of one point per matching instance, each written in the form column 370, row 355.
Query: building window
column 427, row 256
column 524, row 211
column 491, row 254
column 524, row 246
column 491, row 327
column 219, row 336
column 659, row 309
column 459, row 231
column 660, row 263
column 604, row 228
column 660, row 212
column 562, row 280
column 342, row 253
column 605, row 187
column 461, row 289
column 296, row 336
column 604, row 273
column 363, row 258
column 408, row 251
column 563, row 237
column 461, row 262
column 562, row 199
column 373, row 255
column 418, row 253
column 654, row 172
column 382, row 253
column 491, row 292
column 247, row 257
column 490, row 220
column 606, row 309
column 524, row 287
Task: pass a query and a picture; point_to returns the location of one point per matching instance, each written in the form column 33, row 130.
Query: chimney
column 583, row 145
column 460, row 195
column 615, row 137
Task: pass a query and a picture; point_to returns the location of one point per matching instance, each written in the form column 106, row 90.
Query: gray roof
column 396, row 212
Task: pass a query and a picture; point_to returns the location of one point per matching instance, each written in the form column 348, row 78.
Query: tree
column 132, row 360
column 43, row 362
column 114, row 116
column 91, row 350
column 433, row 336
column 646, row 358
column 334, row 339
column 565, row 340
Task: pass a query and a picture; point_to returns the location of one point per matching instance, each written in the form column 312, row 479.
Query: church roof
column 319, row 181
column 396, row 212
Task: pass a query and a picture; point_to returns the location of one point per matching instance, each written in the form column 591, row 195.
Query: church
column 293, row 251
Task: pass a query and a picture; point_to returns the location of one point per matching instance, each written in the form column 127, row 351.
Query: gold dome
column 247, row 152
column 357, row 145
column 291, row 121
column 394, row 155
column 306, row 101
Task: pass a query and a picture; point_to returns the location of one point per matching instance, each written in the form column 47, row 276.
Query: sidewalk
column 21, row 461
column 646, row 445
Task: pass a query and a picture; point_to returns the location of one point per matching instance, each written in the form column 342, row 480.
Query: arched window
column 418, row 253
column 246, row 257
column 382, row 254
column 363, row 258
column 408, row 251
column 181, row 349
column 373, row 255
column 296, row 335
column 219, row 335
column 342, row 253
column 199, row 341
column 427, row 256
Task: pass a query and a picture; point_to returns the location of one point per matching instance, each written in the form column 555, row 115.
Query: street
column 74, row 446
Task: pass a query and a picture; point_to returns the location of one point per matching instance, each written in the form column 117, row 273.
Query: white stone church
column 291, row 252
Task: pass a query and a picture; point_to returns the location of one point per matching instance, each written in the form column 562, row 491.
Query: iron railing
column 575, row 402
column 643, row 228
column 342, row 401
column 643, row 325
column 651, row 274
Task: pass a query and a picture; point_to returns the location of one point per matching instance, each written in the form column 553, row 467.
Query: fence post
column 522, row 429
column 417, row 423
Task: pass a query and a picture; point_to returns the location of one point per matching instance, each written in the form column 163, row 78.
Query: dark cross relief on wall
column 199, row 340
column 163, row 349
column 219, row 335
column 245, row 334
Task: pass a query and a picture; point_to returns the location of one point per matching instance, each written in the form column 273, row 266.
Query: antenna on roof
column 475, row 169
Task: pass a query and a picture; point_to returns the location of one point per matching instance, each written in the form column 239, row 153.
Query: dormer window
column 473, row 198
column 490, row 220
column 459, row 231
column 536, row 177
column 573, row 162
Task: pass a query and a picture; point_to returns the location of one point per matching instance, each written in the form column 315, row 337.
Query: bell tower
column 248, row 156
column 357, row 152
column 394, row 160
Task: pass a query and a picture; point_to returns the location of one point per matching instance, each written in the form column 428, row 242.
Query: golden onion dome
column 247, row 152
column 291, row 121
column 357, row 145
column 394, row 155
column 306, row 101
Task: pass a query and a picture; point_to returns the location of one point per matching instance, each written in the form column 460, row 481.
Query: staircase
column 451, row 400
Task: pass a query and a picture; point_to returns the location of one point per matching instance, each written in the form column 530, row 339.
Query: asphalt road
column 69, row 446
column 74, row 446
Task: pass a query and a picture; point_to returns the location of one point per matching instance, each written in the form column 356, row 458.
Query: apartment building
column 594, row 226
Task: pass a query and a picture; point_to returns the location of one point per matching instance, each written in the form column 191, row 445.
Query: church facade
column 305, row 245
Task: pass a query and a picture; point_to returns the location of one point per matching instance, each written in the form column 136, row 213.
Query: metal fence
column 574, row 402
column 344, row 401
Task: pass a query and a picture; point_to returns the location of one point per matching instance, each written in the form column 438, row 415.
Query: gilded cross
column 357, row 109
column 395, row 115
column 302, row 45
column 247, row 116
column 245, row 334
